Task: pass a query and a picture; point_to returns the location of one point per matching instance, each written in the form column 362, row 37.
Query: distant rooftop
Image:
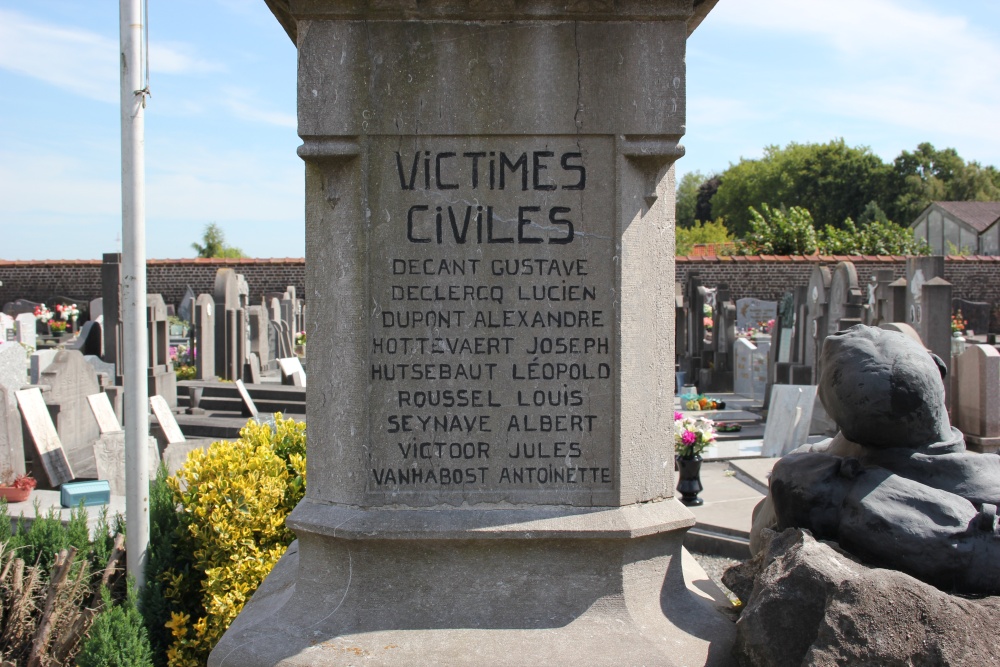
column 977, row 214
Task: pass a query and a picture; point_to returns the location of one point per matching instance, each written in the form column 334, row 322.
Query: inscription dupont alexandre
column 492, row 346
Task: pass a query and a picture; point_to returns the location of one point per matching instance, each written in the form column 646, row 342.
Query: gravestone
column 13, row 376
column 694, row 298
column 162, row 380
column 18, row 306
column 48, row 447
column 89, row 342
column 752, row 313
column 431, row 198
column 249, row 408
column 204, row 335
column 816, row 317
column 976, row 405
column 8, row 329
column 165, row 418
column 743, row 351
column 27, row 329
column 39, row 361
column 918, row 271
column 877, row 303
column 105, row 371
column 109, row 455
column 789, row 418
column 95, row 308
column 111, row 298
column 230, row 326
column 257, row 321
column 109, row 449
column 292, row 372
column 935, row 329
column 104, row 413
column 186, row 309
column 845, row 302
column 70, row 379
column 975, row 313
column 252, row 370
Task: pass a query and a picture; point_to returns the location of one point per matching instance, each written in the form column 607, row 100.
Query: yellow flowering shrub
column 233, row 499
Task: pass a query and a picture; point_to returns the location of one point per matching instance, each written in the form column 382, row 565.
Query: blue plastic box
column 97, row 492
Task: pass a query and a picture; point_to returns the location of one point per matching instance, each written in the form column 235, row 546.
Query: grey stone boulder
column 811, row 604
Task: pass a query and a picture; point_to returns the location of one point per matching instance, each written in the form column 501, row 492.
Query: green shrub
column 46, row 536
column 233, row 500
column 118, row 637
column 164, row 530
column 779, row 232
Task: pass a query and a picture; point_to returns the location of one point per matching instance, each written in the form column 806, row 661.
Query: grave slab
column 789, row 419
column 165, row 418
column 48, row 447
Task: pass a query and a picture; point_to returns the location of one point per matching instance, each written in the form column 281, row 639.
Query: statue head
column 883, row 388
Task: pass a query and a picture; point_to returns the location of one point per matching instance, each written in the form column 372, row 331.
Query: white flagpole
column 135, row 345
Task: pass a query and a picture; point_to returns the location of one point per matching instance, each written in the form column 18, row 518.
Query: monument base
column 982, row 444
column 538, row 586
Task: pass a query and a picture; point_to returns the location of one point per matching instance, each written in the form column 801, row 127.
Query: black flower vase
column 689, row 474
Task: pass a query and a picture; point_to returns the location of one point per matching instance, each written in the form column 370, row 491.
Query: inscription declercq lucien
column 491, row 359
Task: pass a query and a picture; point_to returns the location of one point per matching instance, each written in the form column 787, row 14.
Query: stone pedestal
column 489, row 227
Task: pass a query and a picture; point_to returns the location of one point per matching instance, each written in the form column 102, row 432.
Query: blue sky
column 220, row 127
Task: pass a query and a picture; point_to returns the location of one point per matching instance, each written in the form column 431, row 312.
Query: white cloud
column 901, row 65
column 81, row 61
column 247, row 106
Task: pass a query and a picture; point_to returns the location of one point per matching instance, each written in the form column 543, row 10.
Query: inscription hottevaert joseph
column 492, row 332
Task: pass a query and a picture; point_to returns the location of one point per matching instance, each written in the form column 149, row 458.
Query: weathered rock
column 813, row 605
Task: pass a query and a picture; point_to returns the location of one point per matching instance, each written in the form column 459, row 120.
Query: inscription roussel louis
column 492, row 338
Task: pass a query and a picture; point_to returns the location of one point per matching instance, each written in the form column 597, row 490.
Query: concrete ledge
column 508, row 523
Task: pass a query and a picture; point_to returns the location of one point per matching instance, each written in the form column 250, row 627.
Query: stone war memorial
column 489, row 239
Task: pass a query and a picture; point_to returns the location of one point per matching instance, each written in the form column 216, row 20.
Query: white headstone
column 788, row 418
column 171, row 431
column 8, row 329
column 107, row 421
column 247, row 401
column 26, row 330
column 13, row 376
column 109, row 453
column 292, row 371
column 40, row 361
column 743, row 351
column 977, row 405
column 750, row 313
column 43, row 433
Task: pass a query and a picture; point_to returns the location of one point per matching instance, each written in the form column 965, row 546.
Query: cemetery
column 496, row 332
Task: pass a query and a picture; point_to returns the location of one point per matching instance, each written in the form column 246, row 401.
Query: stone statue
column 896, row 486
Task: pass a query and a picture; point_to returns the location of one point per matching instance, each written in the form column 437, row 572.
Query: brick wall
column 81, row 279
column 768, row 277
column 764, row 277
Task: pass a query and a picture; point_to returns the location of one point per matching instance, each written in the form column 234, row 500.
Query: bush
column 779, row 232
column 233, row 500
column 701, row 232
column 51, row 578
column 118, row 637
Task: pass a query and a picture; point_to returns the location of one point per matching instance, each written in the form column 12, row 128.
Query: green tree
column 701, row 232
column 214, row 244
column 874, row 234
column 779, row 232
column 687, row 198
column 832, row 180
column 928, row 174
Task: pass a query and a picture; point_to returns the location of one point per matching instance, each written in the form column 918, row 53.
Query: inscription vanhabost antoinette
column 492, row 333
